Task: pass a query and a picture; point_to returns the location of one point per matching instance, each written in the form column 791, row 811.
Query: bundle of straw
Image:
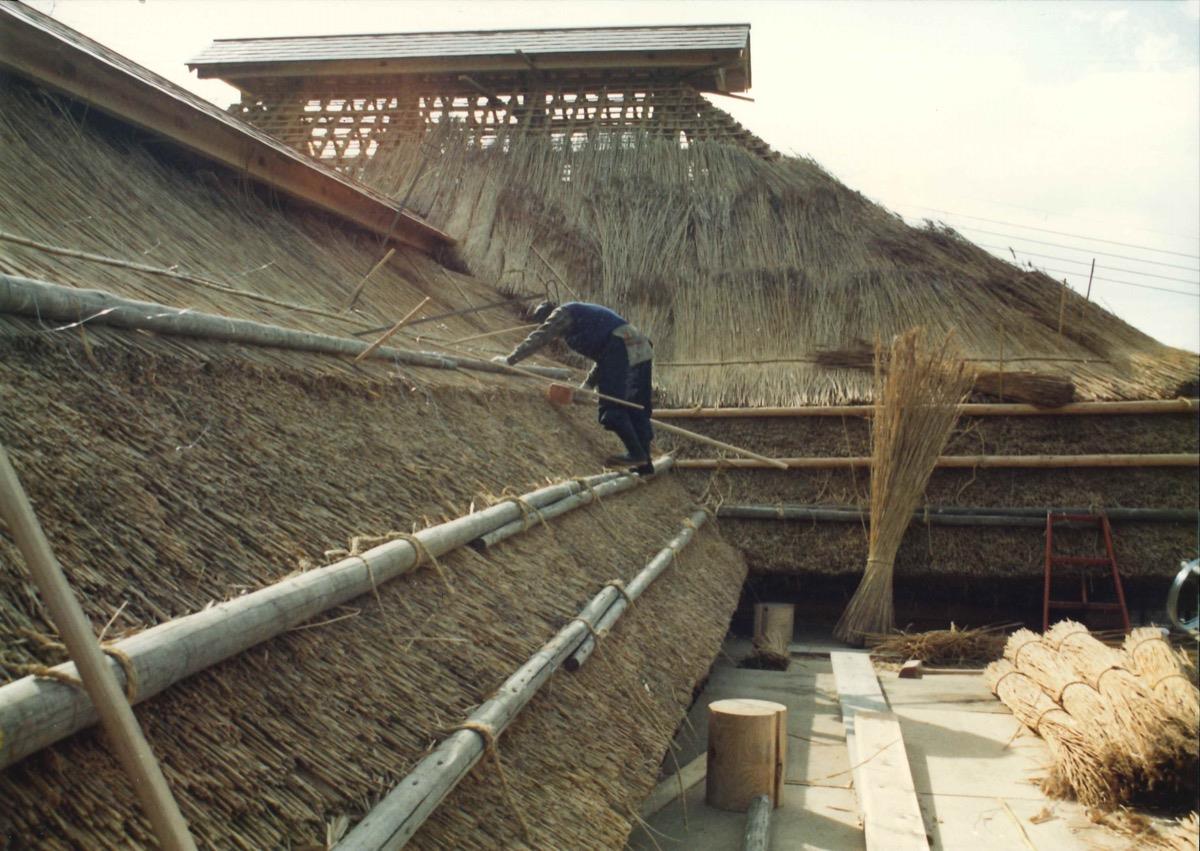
column 1077, row 768
column 917, row 388
column 1165, row 670
column 1035, row 388
column 953, row 646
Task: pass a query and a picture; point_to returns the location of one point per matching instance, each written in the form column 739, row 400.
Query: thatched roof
column 750, row 274
column 172, row 472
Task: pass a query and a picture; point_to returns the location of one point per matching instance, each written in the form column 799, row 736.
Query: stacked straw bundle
column 1138, row 747
column 1168, row 673
column 917, row 388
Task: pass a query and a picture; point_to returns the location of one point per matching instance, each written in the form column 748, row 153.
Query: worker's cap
column 542, row 311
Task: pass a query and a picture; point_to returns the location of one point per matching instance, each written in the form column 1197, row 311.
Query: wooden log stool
column 747, row 747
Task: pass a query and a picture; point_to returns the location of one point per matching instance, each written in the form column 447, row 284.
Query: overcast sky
column 1066, row 131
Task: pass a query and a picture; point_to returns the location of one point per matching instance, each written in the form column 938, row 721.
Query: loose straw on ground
column 917, row 389
column 111, row 704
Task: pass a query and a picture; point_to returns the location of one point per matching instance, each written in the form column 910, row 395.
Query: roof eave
column 36, row 51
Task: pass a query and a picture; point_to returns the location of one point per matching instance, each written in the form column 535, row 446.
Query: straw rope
column 424, row 555
column 47, row 673
column 131, row 680
column 591, row 627
column 526, row 510
column 619, row 586
column 488, row 734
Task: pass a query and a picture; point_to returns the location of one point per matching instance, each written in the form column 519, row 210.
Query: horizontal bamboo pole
column 956, row 516
column 583, row 497
column 124, row 733
column 395, row 819
column 42, row 300
column 665, row 557
column 36, row 712
column 967, row 409
column 1047, row 462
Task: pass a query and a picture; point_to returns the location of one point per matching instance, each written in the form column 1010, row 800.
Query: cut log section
column 747, row 748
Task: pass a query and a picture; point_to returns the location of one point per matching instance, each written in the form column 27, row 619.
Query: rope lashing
column 488, row 734
column 526, row 511
column 591, row 627
column 619, row 586
column 423, row 556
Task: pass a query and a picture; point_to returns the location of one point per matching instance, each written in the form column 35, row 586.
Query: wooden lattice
column 343, row 122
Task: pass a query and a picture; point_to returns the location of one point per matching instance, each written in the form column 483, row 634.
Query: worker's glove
column 502, row 359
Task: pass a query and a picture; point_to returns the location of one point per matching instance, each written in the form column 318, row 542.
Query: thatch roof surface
column 757, row 266
column 167, row 480
column 80, row 182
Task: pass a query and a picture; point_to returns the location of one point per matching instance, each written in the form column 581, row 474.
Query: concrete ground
column 974, row 767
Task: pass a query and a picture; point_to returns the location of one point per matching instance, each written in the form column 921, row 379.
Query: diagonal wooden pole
column 98, row 680
column 391, row 331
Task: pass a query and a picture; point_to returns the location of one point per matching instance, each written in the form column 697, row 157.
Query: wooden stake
column 358, row 290
column 391, row 331
column 111, row 704
column 747, row 743
column 1062, row 308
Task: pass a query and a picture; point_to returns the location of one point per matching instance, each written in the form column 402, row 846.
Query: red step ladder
column 1109, row 560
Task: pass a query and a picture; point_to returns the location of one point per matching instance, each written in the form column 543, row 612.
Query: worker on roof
column 623, row 357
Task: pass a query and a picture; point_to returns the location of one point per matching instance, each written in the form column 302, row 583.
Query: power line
column 1077, row 248
column 1058, row 232
column 1085, row 262
column 1124, row 283
column 1188, row 236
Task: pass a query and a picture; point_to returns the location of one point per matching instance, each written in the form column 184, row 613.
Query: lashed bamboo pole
column 968, row 409
column 43, row 300
column 115, row 713
column 953, row 515
column 666, row 556
column 391, row 332
column 562, row 506
column 1181, row 459
column 682, row 432
column 37, row 712
column 208, row 283
column 396, row 818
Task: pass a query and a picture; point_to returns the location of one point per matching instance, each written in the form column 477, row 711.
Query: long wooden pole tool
column 358, row 290
column 682, row 432
column 98, row 680
column 391, row 331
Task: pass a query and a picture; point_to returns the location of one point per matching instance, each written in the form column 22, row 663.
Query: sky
column 1055, row 133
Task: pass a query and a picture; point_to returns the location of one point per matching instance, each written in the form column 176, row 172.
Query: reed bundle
column 744, row 268
column 918, row 386
column 1077, row 768
column 1141, row 743
column 1035, row 388
column 1168, row 673
column 953, row 646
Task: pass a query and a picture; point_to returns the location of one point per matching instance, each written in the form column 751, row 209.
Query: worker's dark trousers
column 616, row 378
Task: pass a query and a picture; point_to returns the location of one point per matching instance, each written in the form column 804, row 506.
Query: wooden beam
column 47, row 52
column 970, row 409
column 891, row 813
column 1027, row 462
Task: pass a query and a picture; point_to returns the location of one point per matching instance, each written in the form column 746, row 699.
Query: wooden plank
column 891, row 813
column 858, row 688
column 675, row 786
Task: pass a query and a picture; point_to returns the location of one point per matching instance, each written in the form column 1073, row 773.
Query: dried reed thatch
column 953, row 646
column 1035, row 388
column 1141, row 744
column 744, row 271
column 1167, row 671
column 918, row 385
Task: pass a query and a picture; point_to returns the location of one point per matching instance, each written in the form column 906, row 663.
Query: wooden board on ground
column 675, row 786
column 891, row 813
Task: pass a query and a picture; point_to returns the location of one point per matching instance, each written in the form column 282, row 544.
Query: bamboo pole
column 391, row 252
column 968, row 409
column 1181, row 459
column 387, row 335
column 508, row 302
column 125, row 736
column 177, row 276
column 758, row 825
column 37, row 712
column 43, row 300
column 682, row 432
column 666, row 556
column 953, row 515
column 395, row 819
column 562, row 506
